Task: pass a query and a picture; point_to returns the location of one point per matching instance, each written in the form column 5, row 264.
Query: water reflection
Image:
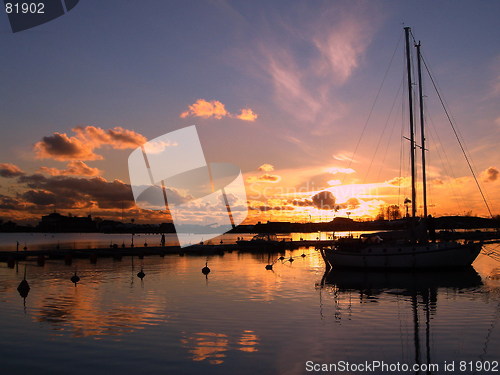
column 82, row 314
column 213, row 347
column 418, row 292
column 246, row 319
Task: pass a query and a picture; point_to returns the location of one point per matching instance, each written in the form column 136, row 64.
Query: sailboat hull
column 405, row 256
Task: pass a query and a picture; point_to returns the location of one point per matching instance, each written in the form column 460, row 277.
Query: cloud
column 247, row 115
column 60, row 146
column 72, row 192
column 491, row 174
column 266, row 168
column 157, row 147
column 308, row 68
column 336, row 170
column 39, row 197
column 341, row 48
column 344, row 157
column 217, row 110
column 206, row 109
column 399, row 181
column 264, row 178
column 10, row 203
column 10, row 170
column 117, row 137
column 301, row 202
column 77, row 168
column 324, row 200
column 352, row 203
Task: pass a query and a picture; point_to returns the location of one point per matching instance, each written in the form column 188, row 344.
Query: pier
column 116, row 251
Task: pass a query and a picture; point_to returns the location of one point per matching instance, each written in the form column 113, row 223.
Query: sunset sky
column 282, row 89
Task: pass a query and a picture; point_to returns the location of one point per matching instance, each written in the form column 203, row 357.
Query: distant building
column 55, row 222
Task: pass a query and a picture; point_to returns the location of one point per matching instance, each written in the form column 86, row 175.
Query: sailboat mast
column 422, row 128
column 412, row 131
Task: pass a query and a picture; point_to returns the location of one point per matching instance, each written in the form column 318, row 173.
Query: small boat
column 263, row 241
column 412, row 250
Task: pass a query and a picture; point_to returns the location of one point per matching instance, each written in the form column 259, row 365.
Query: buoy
column 145, row 244
column 205, row 270
column 291, row 260
column 141, row 274
column 281, row 257
column 303, row 255
column 24, row 287
column 74, row 279
column 269, row 267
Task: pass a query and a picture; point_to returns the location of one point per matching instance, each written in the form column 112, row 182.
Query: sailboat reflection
column 419, row 289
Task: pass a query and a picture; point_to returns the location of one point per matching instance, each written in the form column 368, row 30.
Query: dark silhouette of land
column 58, row 223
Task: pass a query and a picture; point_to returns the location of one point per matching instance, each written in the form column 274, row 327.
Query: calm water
column 242, row 319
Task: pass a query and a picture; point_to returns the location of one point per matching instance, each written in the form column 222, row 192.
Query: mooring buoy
column 141, row 274
column 205, row 270
column 24, row 287
column 75, row 278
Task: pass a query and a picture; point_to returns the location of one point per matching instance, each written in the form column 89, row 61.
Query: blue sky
column 310, row 70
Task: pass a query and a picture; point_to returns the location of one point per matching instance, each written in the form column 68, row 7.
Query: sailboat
column 414, row 251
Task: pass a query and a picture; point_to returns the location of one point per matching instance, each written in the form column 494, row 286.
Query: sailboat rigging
column 414, row 251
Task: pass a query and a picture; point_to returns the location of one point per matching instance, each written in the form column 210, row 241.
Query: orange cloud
column 117, row 137
column 77, row 168
column 205, row 109
column 217, row 110
column 59, row 146
column 264, row 178
column 266, row 168
column 490, row 174
column 247, row 115
column 10, row 170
